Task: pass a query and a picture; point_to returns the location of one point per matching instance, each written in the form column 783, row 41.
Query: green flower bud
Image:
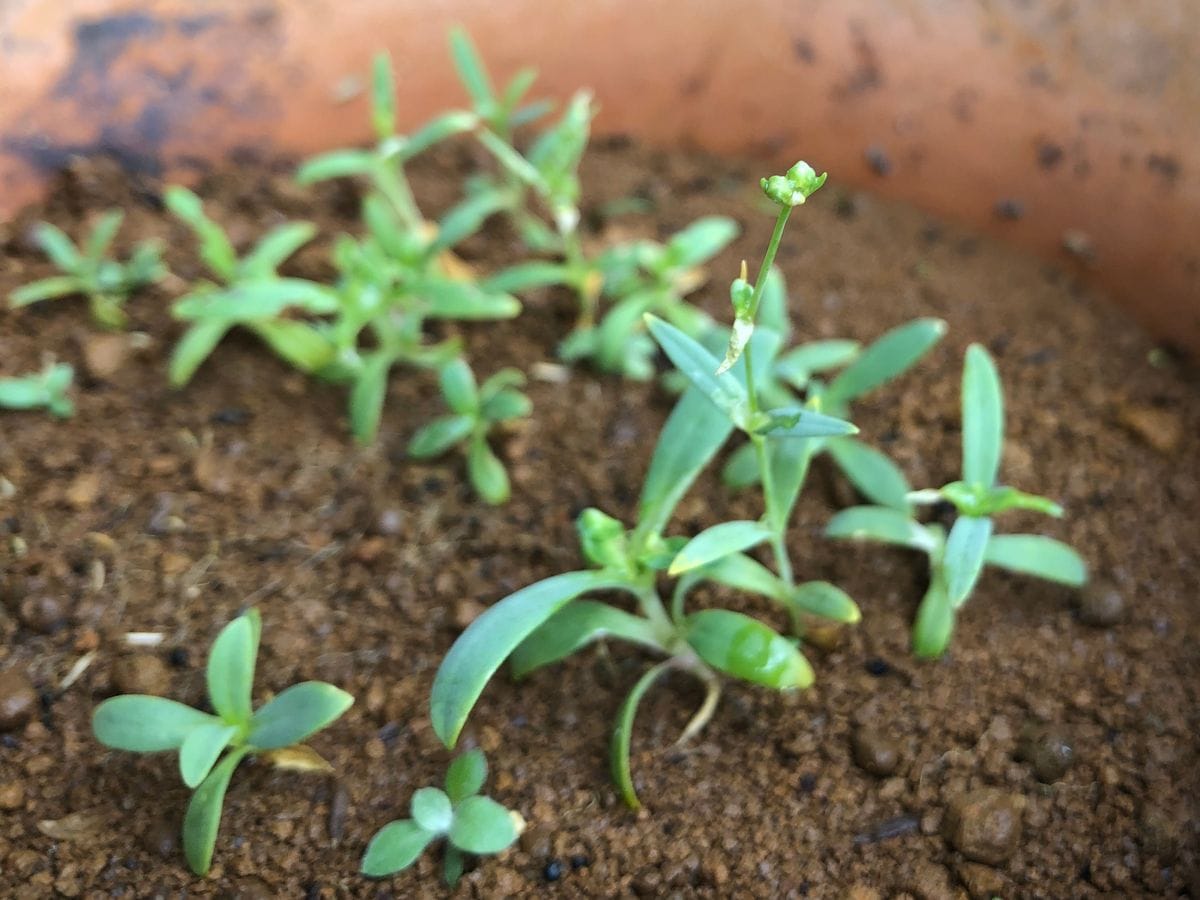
column 602, row 539
column 795, row 187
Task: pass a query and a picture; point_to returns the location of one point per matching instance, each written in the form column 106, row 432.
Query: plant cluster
column 46, row 389
column 639, row 580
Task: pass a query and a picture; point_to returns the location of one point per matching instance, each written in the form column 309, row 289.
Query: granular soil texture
column 1052, row 753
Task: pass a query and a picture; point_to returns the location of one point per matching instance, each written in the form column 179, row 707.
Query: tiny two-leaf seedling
column 956, row 560
column 86, row 270
column 142, row 723
column 46, row 390
column 469, row 822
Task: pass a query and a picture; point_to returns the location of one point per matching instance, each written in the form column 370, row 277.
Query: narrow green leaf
column 623, row 735
column 801, row 422
column 383, row 96
column 524, row 276
column 458, row 387
column 789, row 463
column 296, row 714
column 431, row 810
column 197, row 343
column 747, row 649
column 215, row 249
column 466, row 775
column 511, row 160
column 691, row 437
column 963, row 560
column 335, row 164
column 488, row 641
column 1034, row 554
column 230, row 672
column 487, row 473
column 46, row 289
column 465, row 219
column 745, row 574
column 203, row 818
column 256, row 299
column 798, row 365
column 463, row 300
column 701, row 240
column 274, row 248
column 982, row 418
column 367, row 396
column 102, row 235
column 299, row 343
column 470, row 70
column 872, row 472
column 890, row 356
column 505, row 406
column 1001, row 499
column 439, row 436
column 141, row 723
column 699, row 366
column 201, row 748
column 820, row 598
column 444, row 126
column 394, row 848
column 57, row 246
column 718, row 541
column 935, row 621
column 482, row 826
column 579, row 623
column 883, row 524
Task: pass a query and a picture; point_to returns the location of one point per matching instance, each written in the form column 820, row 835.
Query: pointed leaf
column 262, row 298
column 141, row 723
column 691, row 437
column 797, row 366
column 466, row 218
column 383, row 96
column 466, row 775
column 439, row 436
column 623, row 735
column 934, row 623
column 57, row 246
column 488, row 641
column 745, row 574
column 982, row 418
column 801, row 422
column 45, row 289
column 102, row 235
column 203, row 817
column 820, row 598
column 482, row 826
column 215, row 249
column 524, row 276
column 573, row 627
column 297, row 713
column 888, row 357
column 701, row 240
column 747, row 649
column 883, row 524
column 741, row 468
column 196, row 345
column 789, row 461
column 200, row 750
column 873, row 473
column 487, row 474
column 367, row 396
column 431, row 810
column 962, row 562
column 274, row 248
column 1034, row 554
column 230, row 672
column 298, row 343
column 718, row 541
column 335, row 164
column 699, row 366
column 394, row 848
column 463, row 300
column 444, row 126
column 470, row 69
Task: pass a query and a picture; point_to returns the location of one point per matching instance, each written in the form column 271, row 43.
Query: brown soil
column 168, row 512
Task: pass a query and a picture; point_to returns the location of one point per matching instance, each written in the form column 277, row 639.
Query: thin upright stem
column 652, row 607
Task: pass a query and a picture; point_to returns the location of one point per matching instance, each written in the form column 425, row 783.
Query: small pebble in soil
column 892, row 828
column 984, row 825
column 877, row 667
column 12, row 795
column 874, row 751
column 44, row 614
column 808, row 782
column 579, row 861
column 1049, row 750
column 230, row 416
column 141, row 673
column 553, row 870
column 1101, row 604
column 179, row 658
column 18, row 700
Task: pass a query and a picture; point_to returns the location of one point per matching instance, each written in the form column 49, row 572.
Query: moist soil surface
column 167, row 512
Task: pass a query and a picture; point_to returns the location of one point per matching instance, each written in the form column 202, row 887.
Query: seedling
column 41, row 390
column 957, row 559
column 147, row 724
column 86, row 270
column 250, row 292
column 548, row 621
column 470, row 824
column 475, row 411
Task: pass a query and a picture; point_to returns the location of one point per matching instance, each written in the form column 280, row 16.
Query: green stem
column 393, row 184
column 652, row 607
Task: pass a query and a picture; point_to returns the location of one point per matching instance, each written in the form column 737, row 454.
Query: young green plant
column 956, row 560
column 46, row 389
column 146, row 724
column 551, row 619
column 469, row 822
column 86, row 270
column 475, row 411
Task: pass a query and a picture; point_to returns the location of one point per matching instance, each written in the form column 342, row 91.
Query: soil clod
column 984, row 825
column 18, row 700
column 1101, row 604
column 875, row 752
column 1048, row 749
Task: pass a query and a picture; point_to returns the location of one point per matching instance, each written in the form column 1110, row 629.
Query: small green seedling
column 470, row 823
column 146, row 724
column 548, row 621
column 957, row 559
column 475, row 411
column 106, row 283
column 250, row 293
column 41, row 390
